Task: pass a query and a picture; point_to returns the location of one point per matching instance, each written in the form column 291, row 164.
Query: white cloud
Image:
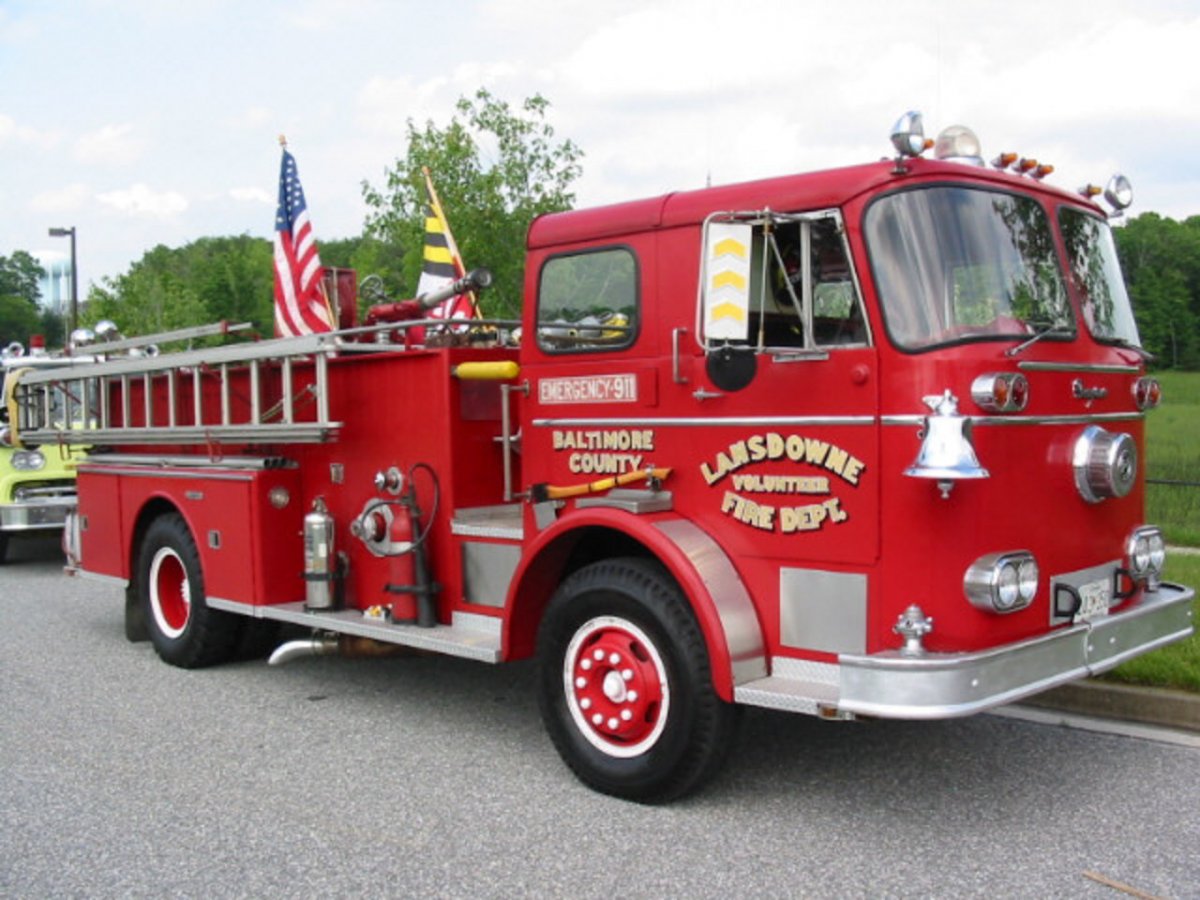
column 12, row 130
column 139, row 200
column 111, row 145
column 67, row 198
column 250, row 195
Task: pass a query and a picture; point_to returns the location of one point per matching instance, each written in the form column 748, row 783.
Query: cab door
column 784, row 376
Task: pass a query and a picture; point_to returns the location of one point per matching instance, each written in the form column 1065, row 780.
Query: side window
column 588, row 301
column 801, row 292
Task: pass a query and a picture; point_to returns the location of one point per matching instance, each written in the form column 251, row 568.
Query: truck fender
column 705, row 573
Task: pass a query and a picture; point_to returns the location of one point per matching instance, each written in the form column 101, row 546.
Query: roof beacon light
column 1091, row 190
column 958, row 143
column 908, row 134
column 1119, row 193
column 1025, row 165
column 1042, row 171
column 1004, row 160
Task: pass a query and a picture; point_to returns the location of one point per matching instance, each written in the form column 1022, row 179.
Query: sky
column 146, row 122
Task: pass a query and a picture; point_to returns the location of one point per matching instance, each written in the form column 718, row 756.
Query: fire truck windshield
column 956, row 264
column 1092, row 256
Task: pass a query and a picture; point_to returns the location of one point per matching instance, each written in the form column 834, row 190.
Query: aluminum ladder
column 89, row 401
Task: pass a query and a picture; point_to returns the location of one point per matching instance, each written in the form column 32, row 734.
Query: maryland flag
column 442, row 263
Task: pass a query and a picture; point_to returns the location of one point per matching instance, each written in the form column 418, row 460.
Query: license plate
column 1096, row 597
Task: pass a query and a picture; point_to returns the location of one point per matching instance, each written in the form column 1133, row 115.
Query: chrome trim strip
column 696, row 422
column 1031, row 366
column 735, row 609
column 918, row 421
column 470, row 636
column 939, row 686
column 188, row 462
column 131, row 472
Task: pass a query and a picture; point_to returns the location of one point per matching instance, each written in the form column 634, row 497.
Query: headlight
column 1145, row 555
column 1002, row 582
column 28, row 460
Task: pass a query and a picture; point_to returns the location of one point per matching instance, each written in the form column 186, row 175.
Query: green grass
column 1177, row 665
column 1173, row 454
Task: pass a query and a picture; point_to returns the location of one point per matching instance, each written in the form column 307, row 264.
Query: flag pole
column 453, row 247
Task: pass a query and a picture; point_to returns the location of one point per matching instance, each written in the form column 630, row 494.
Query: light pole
column 73, row 322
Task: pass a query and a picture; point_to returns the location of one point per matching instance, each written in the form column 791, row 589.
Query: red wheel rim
column 616, row 686
column 170, row 592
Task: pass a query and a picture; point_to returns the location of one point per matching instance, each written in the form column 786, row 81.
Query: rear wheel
column 3, row 547
column 170, row 583
column 626, row 686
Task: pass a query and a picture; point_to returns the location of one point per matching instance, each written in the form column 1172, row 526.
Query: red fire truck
column 859, row 443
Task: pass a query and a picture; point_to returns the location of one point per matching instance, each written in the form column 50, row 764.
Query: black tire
column 3, row 548
column 170, row 586
column 625, row 684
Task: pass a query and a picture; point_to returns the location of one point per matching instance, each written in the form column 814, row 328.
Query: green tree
column 205, row 281
column 20, row 276
column 18, row 320
column 494, row 169
column 1161, row 261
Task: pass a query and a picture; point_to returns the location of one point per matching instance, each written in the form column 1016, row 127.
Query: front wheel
column 626, row 685
column 170, row 588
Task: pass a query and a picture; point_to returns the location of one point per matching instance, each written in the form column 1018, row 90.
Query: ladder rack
column 259, row 393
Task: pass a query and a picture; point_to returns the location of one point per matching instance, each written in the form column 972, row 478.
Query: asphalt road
column 121, row 776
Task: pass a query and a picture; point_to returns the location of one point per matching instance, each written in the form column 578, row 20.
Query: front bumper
column 35, row 515
column 944, row 685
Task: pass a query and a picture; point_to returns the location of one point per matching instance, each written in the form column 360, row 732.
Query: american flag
column 300, row 304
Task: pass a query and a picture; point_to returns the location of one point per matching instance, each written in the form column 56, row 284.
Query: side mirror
column 731, row 368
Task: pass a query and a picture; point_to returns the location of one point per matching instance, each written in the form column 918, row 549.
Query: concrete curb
column 1124, row 702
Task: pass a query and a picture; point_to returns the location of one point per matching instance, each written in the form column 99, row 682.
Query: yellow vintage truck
column 37, row 482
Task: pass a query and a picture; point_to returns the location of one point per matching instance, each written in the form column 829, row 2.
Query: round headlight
column 1027, row 580
column 1158, row 552
column 1141, row 554
column 28, row 460
column 1008, row 590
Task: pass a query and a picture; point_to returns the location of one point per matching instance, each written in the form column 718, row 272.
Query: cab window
column 800, row 288
column 588, row 301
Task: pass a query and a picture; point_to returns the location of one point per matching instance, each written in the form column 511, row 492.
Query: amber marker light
column 1004, row 160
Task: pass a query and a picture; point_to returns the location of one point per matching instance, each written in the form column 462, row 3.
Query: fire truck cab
column 858, row 443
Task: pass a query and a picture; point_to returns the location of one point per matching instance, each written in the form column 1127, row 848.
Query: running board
column 469, row 635
column 797, row 686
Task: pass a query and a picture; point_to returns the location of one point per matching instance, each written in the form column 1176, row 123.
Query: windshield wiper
column 1053, row 328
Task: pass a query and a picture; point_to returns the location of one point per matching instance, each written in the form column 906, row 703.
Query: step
column 470, row 636
column 794, row 685
column 504, row 522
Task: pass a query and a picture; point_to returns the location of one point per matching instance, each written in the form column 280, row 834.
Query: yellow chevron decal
column 729, row 279
column 728, row 310
column 438, row 254
column 729, row 247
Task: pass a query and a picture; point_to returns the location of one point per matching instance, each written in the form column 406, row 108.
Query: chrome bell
column 946, row 454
